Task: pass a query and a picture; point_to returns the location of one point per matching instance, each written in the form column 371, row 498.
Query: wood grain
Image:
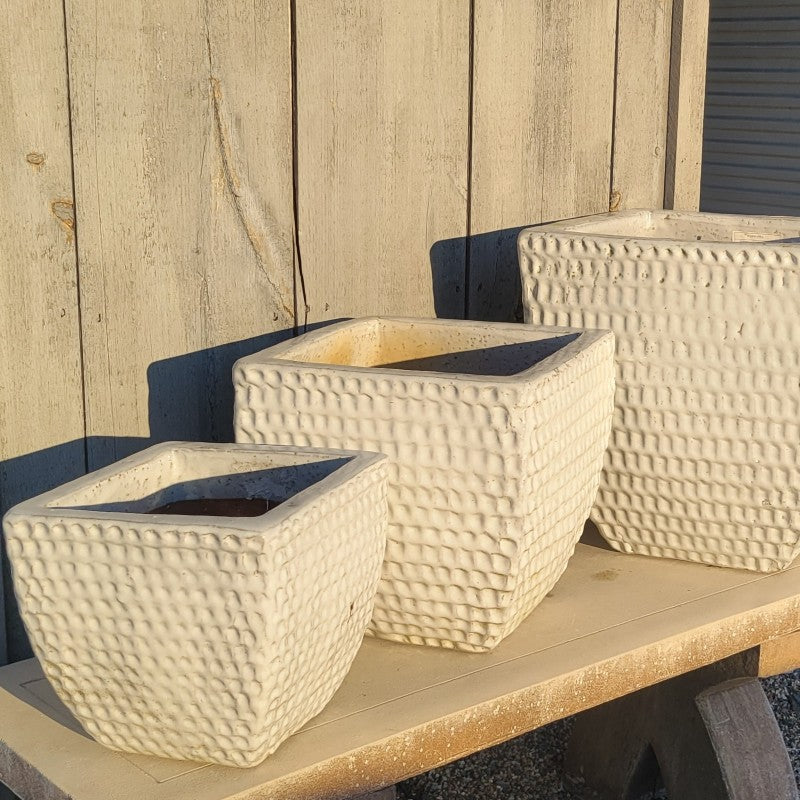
column 640, row 108
column 41, row 401
column 382, row 137
column 542, row 126
column 686, row 104
column 182, row 140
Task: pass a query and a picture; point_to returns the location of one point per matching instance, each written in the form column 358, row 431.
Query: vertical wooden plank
column 41, row 402
column 382, row 136
column 182, row 138
column 640, row 107
column 686, row 104
column 542, row 125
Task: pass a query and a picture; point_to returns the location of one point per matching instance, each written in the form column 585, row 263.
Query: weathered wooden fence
column 188, row 181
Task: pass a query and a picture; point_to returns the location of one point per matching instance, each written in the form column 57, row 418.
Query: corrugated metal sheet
column 751, row 138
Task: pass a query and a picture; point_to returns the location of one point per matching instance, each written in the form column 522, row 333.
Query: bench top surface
column 613, row 624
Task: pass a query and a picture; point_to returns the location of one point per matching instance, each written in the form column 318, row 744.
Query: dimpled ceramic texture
column 495, row 435
column 203, row 638
column 704, row 460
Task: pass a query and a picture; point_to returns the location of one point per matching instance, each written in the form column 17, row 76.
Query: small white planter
column 201, row 637
column 495, row 435
column 704, row 461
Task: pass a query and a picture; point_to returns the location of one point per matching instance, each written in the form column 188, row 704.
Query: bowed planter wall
column 190, row 182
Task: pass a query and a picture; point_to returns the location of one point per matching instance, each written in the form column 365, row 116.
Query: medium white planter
column 704, row 461
column 495, row 434
column 198, row 636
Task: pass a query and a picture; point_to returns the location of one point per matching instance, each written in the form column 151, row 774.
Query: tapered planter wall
column 495, row 435
column 202, row 637
column 704, row 461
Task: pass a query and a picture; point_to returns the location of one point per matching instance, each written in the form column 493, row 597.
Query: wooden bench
column 613, row 626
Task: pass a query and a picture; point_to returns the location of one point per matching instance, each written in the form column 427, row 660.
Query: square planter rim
column 584, row 338
column 567, row 229
column 39, row 506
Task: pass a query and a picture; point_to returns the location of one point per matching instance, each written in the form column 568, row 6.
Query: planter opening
column 218, row 507
column 183, row 482
column 688, row 227
column 417, row 346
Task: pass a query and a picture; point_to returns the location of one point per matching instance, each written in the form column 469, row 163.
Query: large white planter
column 209, row 638
column 704, row 461
column 495, row 435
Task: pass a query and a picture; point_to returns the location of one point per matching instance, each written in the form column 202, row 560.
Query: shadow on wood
column 389, row 793
column 6, row 793
column 493, row 254
column 493, row 284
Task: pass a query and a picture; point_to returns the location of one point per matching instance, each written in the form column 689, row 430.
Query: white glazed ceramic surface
column 704, row 460
column 495, row 435
column 206, row 638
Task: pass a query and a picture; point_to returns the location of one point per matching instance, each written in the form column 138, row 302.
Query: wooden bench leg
column 747, row 741
column 706, row 735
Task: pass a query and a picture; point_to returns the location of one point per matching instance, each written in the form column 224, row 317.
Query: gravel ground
column 530, row 766
column 783, row 692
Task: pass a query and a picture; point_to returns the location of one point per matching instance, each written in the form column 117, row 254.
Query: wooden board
column 686, row 104
column 780, row 655
column 182, row 141
column 640, row 104
column 382, row 142
column 612, row 625
column 41, row 397
column 542, row 128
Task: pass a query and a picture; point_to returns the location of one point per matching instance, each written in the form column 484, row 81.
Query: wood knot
column 614, row 201
column 35, row 159
column 63, row 210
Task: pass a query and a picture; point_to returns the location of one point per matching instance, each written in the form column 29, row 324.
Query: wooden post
column 640, row 104
column 687, row 87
